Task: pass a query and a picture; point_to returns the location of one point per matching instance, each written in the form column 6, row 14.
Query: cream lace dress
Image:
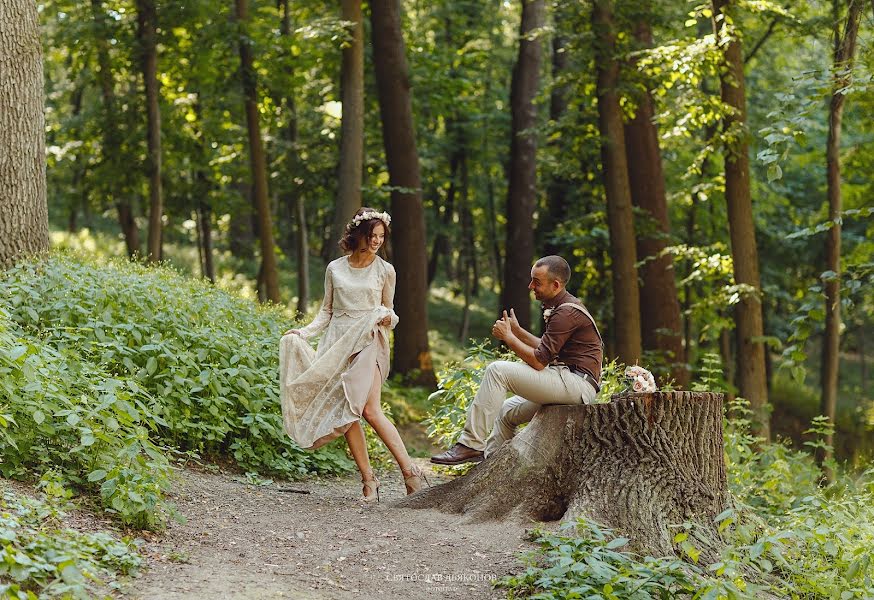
column 323, row 392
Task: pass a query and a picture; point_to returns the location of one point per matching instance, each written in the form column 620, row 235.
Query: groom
column 561, row 367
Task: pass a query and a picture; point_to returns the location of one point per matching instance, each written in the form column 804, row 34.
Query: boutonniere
column 546, row 313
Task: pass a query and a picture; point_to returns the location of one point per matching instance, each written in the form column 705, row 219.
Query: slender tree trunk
column 77, row 192
column 522, row 173
column 626, row 296
column 294, row 199
column 752, row 380
column 411, row 352
column 352, row 124
column 111, row 151
column 440, row 247
column 147, row 20
column 202, row 188
column 844, row 53
column 661, row 327
column 24, row 209
column 558, row 191
column 468, row 251
column 493, row 232
column 270, row 275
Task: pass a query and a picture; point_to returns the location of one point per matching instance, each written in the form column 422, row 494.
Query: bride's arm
column 324, row 317
column 388, row 294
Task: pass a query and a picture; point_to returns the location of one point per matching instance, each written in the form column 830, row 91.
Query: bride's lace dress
column 323, row 392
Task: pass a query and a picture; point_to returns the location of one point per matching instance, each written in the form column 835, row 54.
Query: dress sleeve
column 324, row 317
column 388, row 294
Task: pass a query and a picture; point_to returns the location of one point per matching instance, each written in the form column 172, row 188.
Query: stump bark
column 638, row 464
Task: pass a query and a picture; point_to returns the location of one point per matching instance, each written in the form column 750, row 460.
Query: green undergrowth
column 109, row 369
column 782, row 536
column 40, row 559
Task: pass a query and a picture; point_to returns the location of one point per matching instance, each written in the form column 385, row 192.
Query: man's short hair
column 557, row 268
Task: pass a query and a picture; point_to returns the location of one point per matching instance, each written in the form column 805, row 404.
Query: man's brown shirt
column 570, row 337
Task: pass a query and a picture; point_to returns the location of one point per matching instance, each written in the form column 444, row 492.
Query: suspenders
column 583, row 310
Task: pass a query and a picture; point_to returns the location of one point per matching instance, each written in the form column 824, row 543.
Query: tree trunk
column 147, row 20
column 626, row 295
column 294, row 198
column 257, row 161
column 468, row 250
column 844, row 53
column 411, row 352
column 204, row 212
column 751, row 377
column 661, row 326
column 24, row 215
column 558, row 191
column 441, row 248
column 111, row 150
column 202, row 187
column 639, row 465
column 522, row 172
column 352, row 124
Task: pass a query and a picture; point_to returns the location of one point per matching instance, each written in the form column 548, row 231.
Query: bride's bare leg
column 384, row 428
column 358, row 448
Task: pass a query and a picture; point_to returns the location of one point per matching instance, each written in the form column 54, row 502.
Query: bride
column 325, row 393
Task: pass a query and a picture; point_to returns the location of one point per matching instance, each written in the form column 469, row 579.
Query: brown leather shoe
column 457, row 455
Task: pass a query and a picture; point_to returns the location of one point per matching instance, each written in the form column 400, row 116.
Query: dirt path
column 249, row 541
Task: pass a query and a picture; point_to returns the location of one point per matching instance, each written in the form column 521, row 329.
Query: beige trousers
column 491, row 411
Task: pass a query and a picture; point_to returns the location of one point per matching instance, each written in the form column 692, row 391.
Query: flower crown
column 371, row 214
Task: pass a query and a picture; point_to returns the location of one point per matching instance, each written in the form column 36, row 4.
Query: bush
column 66, row 414
column 105, row 366
column 38, row 558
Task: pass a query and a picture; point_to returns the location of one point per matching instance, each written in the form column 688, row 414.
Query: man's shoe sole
column 452, row 463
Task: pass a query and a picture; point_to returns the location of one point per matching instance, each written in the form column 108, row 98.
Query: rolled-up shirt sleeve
column 559, row 327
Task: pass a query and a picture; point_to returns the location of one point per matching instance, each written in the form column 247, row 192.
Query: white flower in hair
column 371, row 214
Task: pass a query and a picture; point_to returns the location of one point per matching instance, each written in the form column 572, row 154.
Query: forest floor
column 316, row 540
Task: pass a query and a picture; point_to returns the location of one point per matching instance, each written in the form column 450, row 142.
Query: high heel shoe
column 414, row 479
column 370, row 489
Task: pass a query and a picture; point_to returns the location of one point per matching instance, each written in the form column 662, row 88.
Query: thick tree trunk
column 661, row 326
column 147, row 20
column 844, row 53
column 620, row 220
column 24, row 216
column 352, row 124
column 411, row 352
column 638, row 464
column 111, row 150
column 522, row 172
column 257, row 160
column 751, row 376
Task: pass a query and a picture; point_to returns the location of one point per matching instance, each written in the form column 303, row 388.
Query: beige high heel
column 414, row 479
column 370, row 489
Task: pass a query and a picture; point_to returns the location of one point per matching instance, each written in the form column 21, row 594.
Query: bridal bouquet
column 641, row 379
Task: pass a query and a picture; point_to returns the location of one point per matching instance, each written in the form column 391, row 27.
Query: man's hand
column 514, row 322
column 294, row 331
column 502, row 329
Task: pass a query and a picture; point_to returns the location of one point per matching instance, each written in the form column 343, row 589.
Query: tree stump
column 637, row 464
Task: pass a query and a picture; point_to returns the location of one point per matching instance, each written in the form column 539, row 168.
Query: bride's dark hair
column 353, row 234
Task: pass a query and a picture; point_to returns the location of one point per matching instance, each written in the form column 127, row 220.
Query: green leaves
column 122, row 362
column 54, row 563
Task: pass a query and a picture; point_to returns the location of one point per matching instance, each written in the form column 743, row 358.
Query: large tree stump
column 638, row 464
